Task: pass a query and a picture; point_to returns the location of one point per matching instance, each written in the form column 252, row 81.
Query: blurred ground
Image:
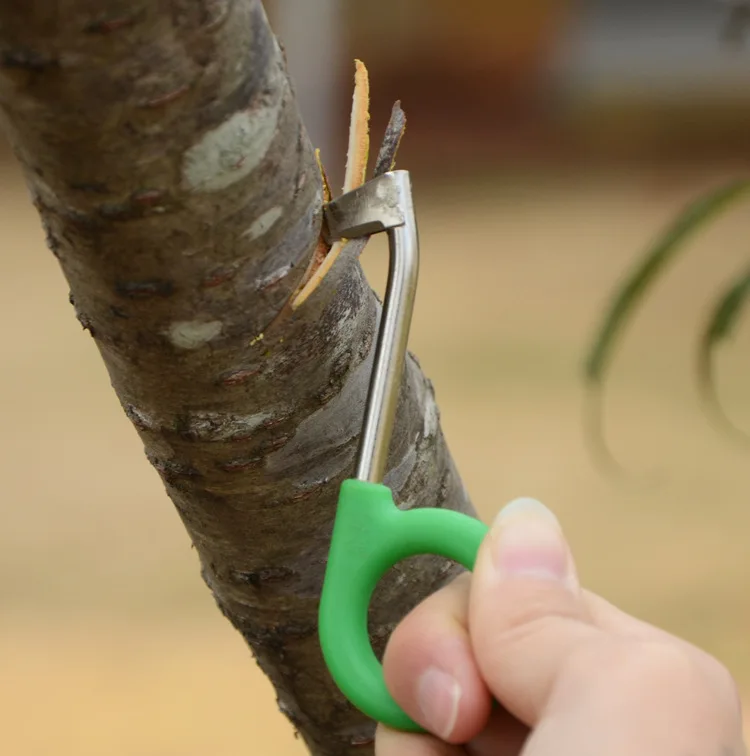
column 109, row 642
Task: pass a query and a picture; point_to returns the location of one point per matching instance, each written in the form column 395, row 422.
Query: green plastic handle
column 370, row 535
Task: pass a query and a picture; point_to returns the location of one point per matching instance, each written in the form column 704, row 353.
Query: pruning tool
column 370, row 533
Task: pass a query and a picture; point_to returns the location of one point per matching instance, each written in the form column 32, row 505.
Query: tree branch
column 163, row 149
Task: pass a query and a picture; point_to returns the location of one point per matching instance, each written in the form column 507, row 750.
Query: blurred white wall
column 313, row 33
column 662, row 50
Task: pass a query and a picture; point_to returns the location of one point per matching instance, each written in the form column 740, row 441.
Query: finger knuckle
column 680, row 670
column 722, row 679
column 659, row 663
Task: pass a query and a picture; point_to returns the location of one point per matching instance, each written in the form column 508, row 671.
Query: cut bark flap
column 356, row 169
column 327, row 196
column 325, row 257
column 359, row 130
column 394, row 132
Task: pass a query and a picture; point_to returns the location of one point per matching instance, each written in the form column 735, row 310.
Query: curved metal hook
column 383, row 204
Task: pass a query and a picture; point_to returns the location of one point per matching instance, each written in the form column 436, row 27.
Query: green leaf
column 625, row 301
column 623, row 305
column 719, row 328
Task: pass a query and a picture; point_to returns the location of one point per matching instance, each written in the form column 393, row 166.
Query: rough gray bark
column 163, row 149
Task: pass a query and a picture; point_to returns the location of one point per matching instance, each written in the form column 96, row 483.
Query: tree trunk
column 163, row 149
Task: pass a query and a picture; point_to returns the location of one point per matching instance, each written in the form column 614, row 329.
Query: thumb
column 527, row 614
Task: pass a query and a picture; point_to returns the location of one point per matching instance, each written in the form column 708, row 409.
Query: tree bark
column 162, row 146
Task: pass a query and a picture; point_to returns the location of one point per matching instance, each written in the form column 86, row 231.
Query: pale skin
column 573, row 675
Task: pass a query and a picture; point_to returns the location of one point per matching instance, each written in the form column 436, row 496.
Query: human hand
column 573, row 675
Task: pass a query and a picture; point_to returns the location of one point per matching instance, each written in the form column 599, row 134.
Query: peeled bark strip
column 163, row 149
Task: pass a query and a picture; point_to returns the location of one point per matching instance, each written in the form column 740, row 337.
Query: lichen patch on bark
column 431, row 422
column 219, row 426
column 264, row 223
column 232, row 150
column 192, row 334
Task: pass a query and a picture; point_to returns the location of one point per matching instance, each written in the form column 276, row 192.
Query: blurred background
column 550, row 141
